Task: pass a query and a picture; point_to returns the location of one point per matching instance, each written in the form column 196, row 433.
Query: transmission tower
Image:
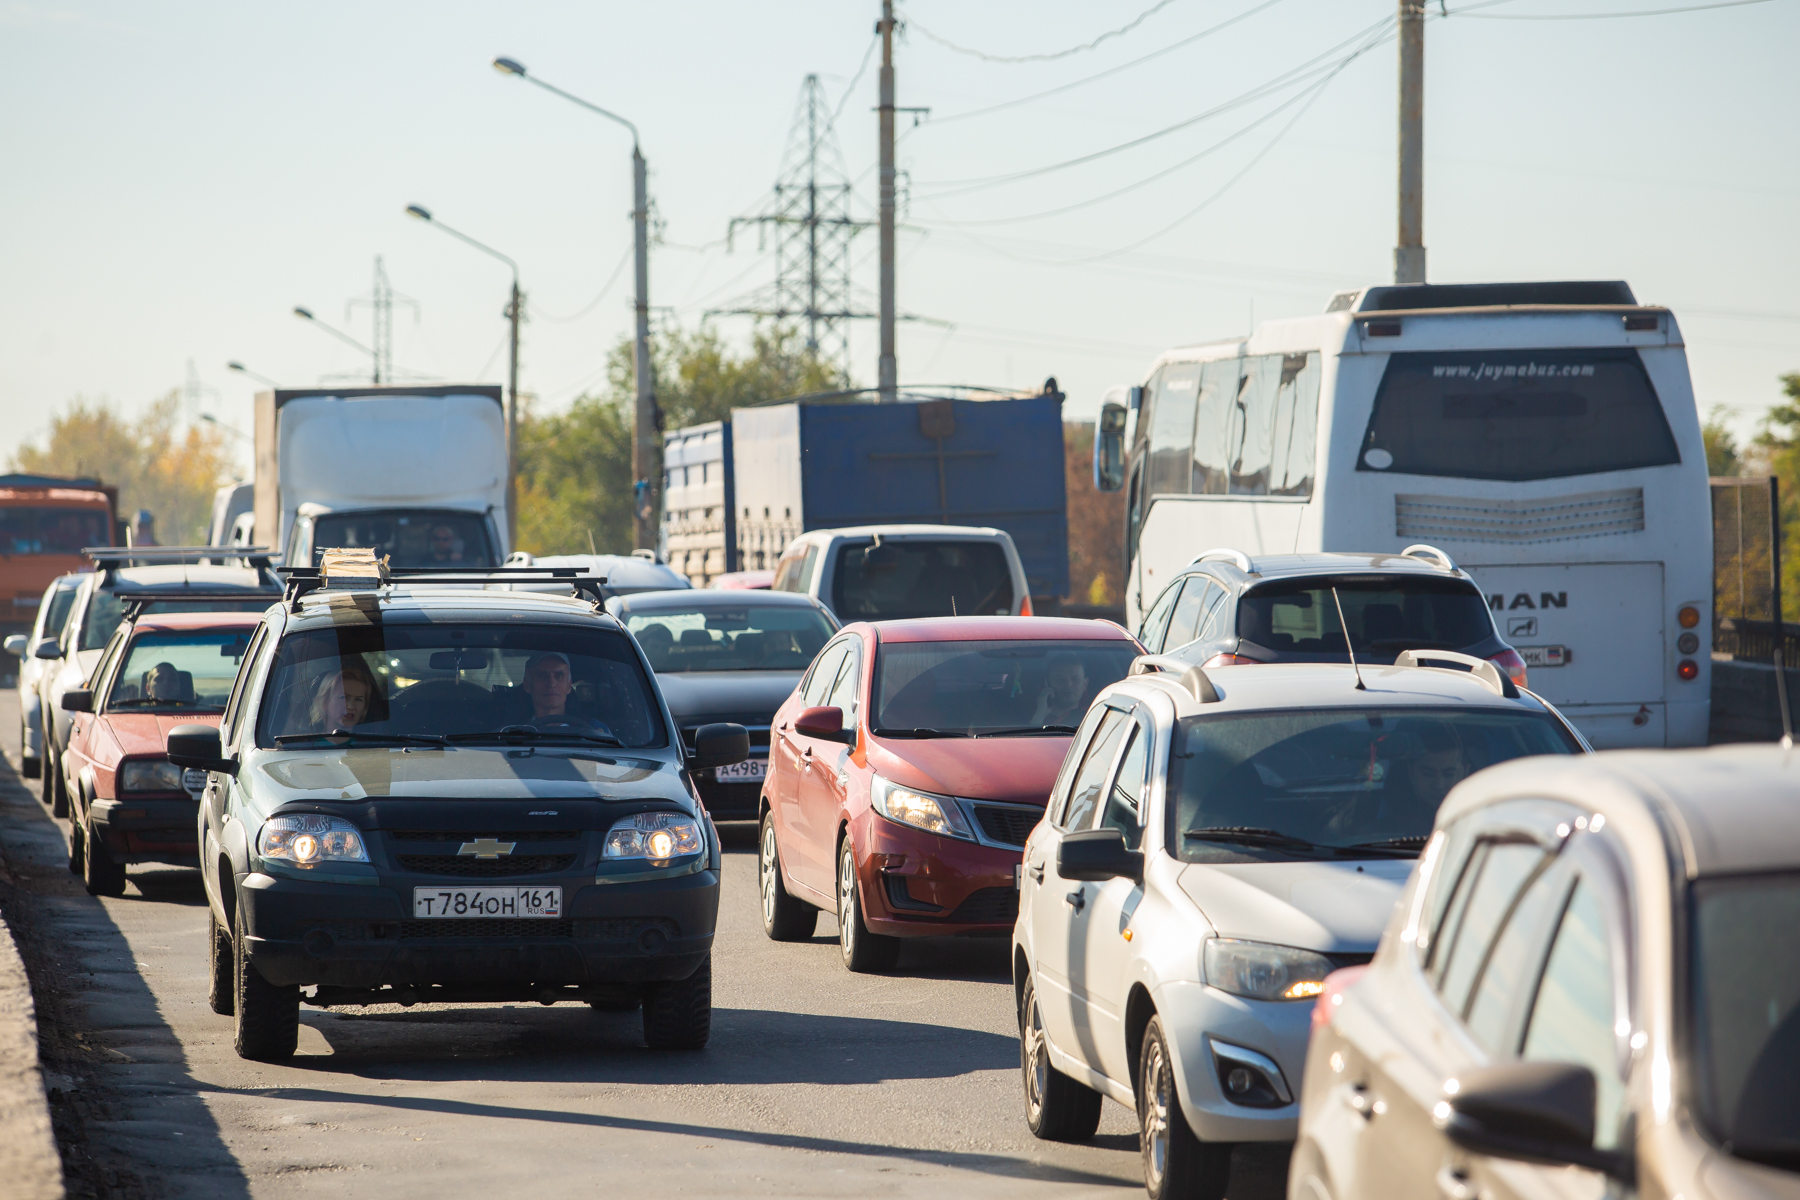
column 809, row 217
column 381, row 305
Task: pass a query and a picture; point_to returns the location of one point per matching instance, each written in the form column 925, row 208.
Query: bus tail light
column 1689, row 616
column 1688, row 669
column 1508, row 660
column 1228, row 660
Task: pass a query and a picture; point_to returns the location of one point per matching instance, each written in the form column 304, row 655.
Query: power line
column 1051, row 57
column 1650, row 12
column 855, row 79
column 595, row 302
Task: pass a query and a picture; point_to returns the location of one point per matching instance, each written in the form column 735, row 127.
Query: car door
column 1058, row 920
column 822, row 780
column 81, row 752
column 791, row 753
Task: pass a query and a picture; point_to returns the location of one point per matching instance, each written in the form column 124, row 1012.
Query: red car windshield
column 178, row 671
column 992, row 688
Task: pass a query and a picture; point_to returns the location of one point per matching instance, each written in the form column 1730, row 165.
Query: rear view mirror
column 15, row 645
column 197, row 746
column 459, row 660
column 1540, row 1112
column 77, row 700
column 47, row 649
column 1096, row 855
column 1109, row 449
column 719, row 745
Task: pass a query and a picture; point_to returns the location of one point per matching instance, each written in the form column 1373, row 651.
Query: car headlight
column 656, row 836
column 306, row 840
column 150, row 775
column 1262, row 971
column 921, row 810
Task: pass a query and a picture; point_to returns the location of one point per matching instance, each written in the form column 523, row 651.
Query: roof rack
column 136, row 604
column 108, row 559
column 302, row 581
column 1187, row 674
column 1498, row 681
column 1423, row 551
column 1242, row 560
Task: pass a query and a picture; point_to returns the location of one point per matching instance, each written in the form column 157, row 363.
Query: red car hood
column 148, row 733
column 1020, row 770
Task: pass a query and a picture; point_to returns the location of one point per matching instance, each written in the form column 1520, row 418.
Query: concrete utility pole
column 1409, row 254
column 888, row 370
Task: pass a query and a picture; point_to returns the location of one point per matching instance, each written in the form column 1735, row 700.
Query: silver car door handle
column 1453, row 1183
column 1077, row 900
column 1357, row 1097
column 1036, row 870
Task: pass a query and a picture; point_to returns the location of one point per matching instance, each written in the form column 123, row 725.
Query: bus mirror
column 1136, row 397
column 1109, row 449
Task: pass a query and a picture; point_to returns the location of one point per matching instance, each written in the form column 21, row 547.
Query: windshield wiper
column 1250, row 835
column 1408, row 846
column 368, row 739
column 182, row 705
column 1026, row 730
column 925, row 733
column 528, row 733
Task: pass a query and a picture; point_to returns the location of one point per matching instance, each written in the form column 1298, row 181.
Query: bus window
column 1218, row 395
column 1516, row 415
column 1172, row 428
column 1253, row 424
column 1296, row 426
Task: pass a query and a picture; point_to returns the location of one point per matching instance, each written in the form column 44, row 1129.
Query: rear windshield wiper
column 528, row 733
column 367, row 739
column 1250, row 835
column 1027, row 730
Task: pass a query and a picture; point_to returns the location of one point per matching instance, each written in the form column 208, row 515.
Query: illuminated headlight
column 150, row 775
column 922, row 810
column 1262, row 971
column 306, row 840
column 657, row 836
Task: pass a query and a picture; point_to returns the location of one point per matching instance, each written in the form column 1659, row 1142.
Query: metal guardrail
column 1747, row 602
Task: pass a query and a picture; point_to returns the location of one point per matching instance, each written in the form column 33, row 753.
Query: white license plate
column 1544, row 656
column 751, row 770
column 453, row 902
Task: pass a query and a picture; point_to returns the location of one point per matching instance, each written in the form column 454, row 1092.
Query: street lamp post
column 513, row 310
column 241, row 369
column 646, row 457
column 306, row 314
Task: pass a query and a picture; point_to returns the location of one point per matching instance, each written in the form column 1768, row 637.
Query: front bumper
column 1193, row 1016
column 924, row 885
column 147, row 831
column 303, row 931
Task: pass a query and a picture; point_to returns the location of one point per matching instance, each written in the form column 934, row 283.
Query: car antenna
column 1787, row 718
column 1348, row 648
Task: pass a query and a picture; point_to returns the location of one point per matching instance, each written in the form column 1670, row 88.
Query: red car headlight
column 149, row 775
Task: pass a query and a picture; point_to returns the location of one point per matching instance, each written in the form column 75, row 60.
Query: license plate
column 751, row 770
column 455, row 902
column 1544, row 656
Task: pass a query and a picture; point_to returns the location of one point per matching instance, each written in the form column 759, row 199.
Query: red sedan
column 910, row 765
column 127, row 802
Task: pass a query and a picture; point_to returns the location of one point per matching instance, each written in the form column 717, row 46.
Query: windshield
column 106, row 609
column 52, row 530
column 1251, row 786
column 1516, row 414
column 897, row 580
column 1385, row 615
column 421, row 538
column 992, row 687
column 389, row 682
column 755, row 637
column 189, row 671
column 1746, row 1015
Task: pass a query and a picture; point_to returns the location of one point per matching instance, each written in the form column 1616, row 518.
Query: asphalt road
column 817, row 1082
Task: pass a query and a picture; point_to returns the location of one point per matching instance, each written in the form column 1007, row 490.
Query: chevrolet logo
column 486, row 847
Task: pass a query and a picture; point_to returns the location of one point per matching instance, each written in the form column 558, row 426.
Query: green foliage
column 1722, row 454
column 154, row 465
column 1779, row 445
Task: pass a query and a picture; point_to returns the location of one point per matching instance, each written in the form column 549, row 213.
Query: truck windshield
column 988, row 688
column 1333, row 782
column 189, row 671
column 1385, row 616
column 901, row 579
column 390, row 684
column 756, row 637
column 1516, row 415
column 51, row 530
column 410, row 538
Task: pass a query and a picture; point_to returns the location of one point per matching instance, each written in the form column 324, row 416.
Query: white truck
column 415, row 473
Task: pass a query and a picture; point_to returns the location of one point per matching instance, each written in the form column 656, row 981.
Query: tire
column 268, row 1017
column 784, row 918
column 1176, row 1163
column 221, row 983
column 1057, row 1109
column 678, row 1013
column 862, row 951
column 77, row 850
column 54, row 794
column 100, row 875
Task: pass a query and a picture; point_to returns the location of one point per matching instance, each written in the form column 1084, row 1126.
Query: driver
column 1419, row 783
column 547, row 684
column 163, row 682
column 1064, row 701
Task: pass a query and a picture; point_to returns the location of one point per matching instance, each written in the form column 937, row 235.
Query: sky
column 175, row 178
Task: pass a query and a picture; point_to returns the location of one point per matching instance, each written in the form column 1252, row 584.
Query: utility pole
column 513, row 311
column 1409, row 254
column 646, row 461
column 888, row 369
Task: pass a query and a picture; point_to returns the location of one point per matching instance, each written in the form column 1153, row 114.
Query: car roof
column 693, row 598
column 186, row 576
column 1012, row 629
column 1283, row 566
column 321, row 608
column 198, row 620
column 1268, row 686
column 908, row 531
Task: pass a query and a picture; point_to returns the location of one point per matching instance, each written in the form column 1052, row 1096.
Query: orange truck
column 45, row 521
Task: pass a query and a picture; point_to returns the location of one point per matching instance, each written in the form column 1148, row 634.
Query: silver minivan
column 897, row 572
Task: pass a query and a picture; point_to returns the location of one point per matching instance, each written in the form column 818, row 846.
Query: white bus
column 1545, row 434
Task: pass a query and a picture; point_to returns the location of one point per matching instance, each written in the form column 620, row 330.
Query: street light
column 306, row 314
column 223, row 427
column 646, row 459
column 512, row 370
column 241, row 369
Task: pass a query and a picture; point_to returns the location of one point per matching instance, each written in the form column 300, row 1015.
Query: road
column 817, row 1082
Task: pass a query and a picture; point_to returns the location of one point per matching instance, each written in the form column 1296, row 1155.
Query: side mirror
column 1109, row 449
column 1540, row 1112
column 197, row 746
column 78, row 700
column 824, row 723
column 15, row 645
column 47, row 649
column 719, row 745
column 1096, row 855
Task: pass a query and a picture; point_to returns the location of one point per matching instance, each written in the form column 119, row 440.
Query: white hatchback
column 1216, row 844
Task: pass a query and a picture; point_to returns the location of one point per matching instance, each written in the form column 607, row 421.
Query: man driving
column 1064, row 701
column 443, row 545
column 548, row 683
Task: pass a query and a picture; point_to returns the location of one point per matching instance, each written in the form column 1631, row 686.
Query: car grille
column 989, row 906
column 724, row 800
column 1010, row 826
column 487, row 927
column 485, row 868
column 471, row 835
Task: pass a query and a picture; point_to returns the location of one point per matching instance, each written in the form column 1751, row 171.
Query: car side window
column 1211, row 625
column 100, row 680
column 1184, row 623
column 824, row 674
column 1494, row 878
column 787, row 574
column 848, row 686
column 1150, row 632
column 1512, row 962
column 1096, row 766
column 1573, row 1015
column 234, row 702
column 1059, row 795
column 1125, row 801
column 809, row 567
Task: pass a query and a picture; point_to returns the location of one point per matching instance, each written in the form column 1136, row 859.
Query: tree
column 1779, row 445
column 1722, row 454
column 1096, row 525
column 172, row 473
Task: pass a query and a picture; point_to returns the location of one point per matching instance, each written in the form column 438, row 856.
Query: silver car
column 52, row 614
column 1592, row 988
column 1218, row 842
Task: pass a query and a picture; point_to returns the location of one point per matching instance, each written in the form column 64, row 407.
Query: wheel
column 1176, row 1163
column 1057, row 1109
column 220, row 982
column 77, row 850
column 55, row 796
column 100, row 875
column 268, row 1017
column 863, row 951
column 785, row 919
column 678, row 1013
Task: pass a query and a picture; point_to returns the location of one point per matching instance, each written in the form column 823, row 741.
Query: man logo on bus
column 1498, row 603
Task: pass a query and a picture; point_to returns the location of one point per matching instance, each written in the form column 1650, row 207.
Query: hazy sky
column 174, row 178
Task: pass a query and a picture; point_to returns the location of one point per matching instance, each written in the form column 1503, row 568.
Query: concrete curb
column 30, row 1168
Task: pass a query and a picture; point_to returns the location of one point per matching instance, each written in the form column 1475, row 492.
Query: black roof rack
column 136, row 603
column 302, row 581
column 1573, row 292
column 108, row 559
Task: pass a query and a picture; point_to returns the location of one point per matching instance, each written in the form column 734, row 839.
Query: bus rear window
column 1516, row 415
